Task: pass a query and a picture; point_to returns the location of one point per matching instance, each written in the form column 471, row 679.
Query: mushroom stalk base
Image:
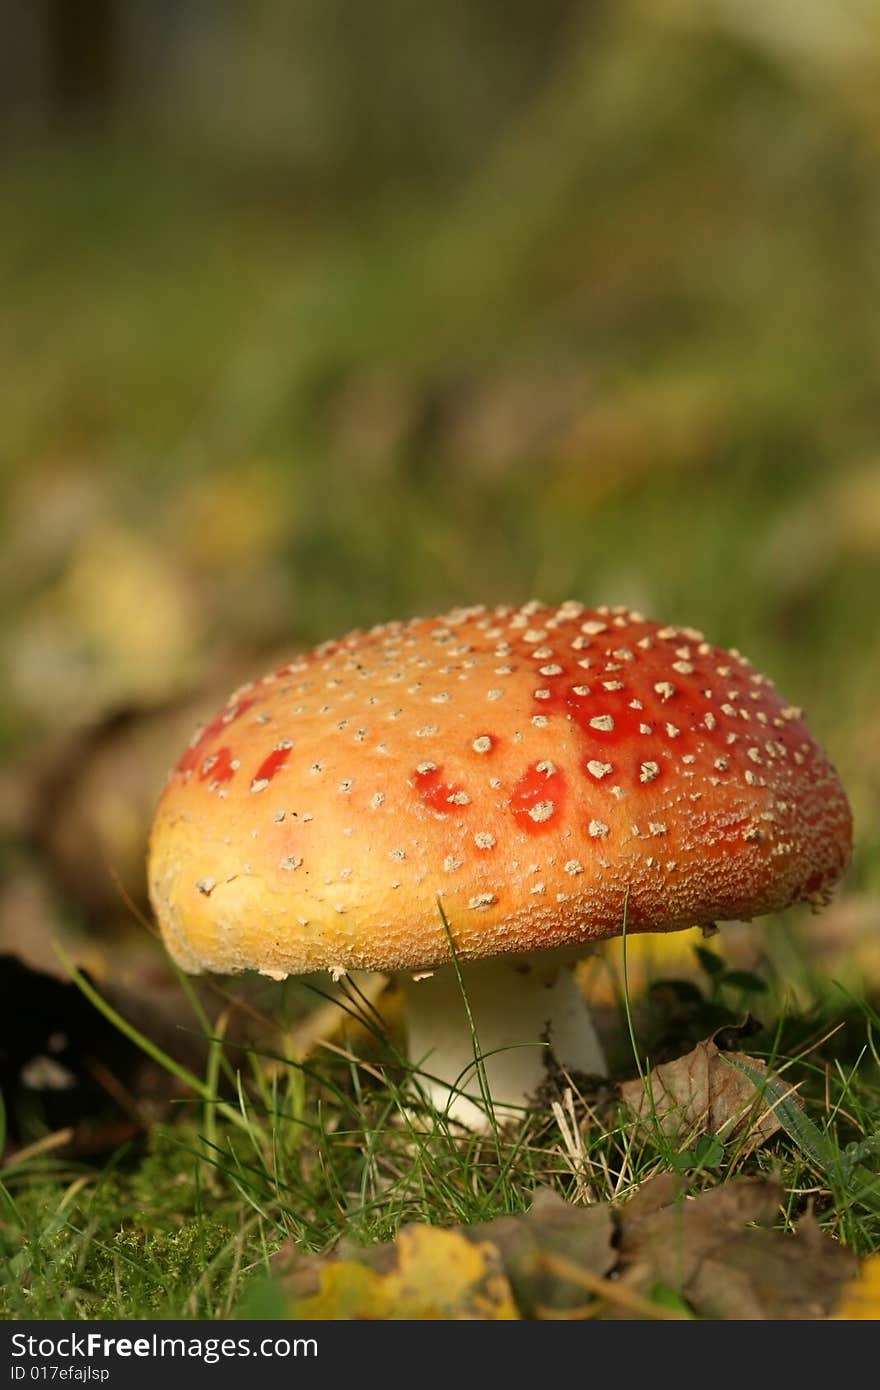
column 528, row 1016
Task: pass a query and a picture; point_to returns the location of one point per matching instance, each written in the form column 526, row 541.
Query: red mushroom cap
column 535, row 769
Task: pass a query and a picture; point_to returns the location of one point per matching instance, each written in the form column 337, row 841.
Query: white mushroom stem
column 528, row 1016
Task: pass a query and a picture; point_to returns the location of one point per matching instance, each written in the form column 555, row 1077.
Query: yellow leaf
column 861, row 1298
column 437, row 1274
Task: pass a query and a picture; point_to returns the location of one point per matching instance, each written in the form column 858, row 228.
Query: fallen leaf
column 861, row 1297
column 720, row 1252
column 550, row 1228
column 664, row 1253
column 428, row 1273
column 703, row 1092
column 510, row 1248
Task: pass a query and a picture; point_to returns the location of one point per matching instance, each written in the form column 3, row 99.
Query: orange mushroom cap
column 534, row 769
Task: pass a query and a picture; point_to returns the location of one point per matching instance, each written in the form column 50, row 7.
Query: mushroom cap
column 536, row 770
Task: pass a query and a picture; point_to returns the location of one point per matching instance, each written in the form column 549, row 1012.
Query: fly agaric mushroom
column 538, row 772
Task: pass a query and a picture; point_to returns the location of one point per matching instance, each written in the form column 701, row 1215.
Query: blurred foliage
column 315, row 316
column 714, row 1256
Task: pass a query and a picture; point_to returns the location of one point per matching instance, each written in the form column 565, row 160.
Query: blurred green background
column 319, row 313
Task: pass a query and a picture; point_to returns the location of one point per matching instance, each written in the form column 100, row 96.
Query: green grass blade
column 796, row 1123
column 146, row 1045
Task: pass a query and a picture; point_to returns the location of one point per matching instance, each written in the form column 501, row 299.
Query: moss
column 143, row 1239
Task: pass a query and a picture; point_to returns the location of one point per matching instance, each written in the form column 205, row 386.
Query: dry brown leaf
column 702, row 1093
column 551, row 1227
column 721, row 1255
